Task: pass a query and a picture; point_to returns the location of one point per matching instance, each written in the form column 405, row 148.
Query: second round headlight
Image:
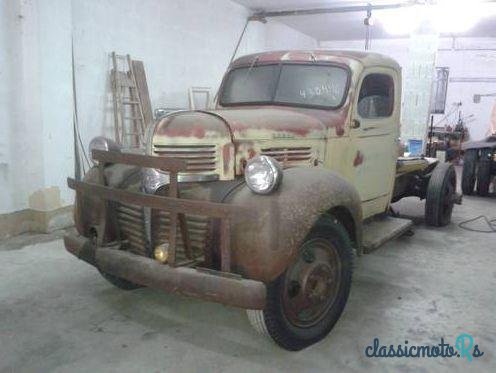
column 103, row 143
column 263, row 174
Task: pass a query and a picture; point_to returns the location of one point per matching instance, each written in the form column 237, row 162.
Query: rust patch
column 198, row 132
column 268, row 120
column 343, row 56
column 226, row 156
column 45, row 199
column 191, row 124
column 358, row 159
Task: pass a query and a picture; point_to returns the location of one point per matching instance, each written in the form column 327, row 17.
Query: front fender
column 264, row 243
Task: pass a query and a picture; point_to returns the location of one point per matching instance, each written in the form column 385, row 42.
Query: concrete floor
column 58, row 314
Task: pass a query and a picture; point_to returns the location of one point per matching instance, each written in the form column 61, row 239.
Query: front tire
column 305, row 302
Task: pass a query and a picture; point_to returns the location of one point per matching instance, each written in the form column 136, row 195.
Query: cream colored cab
column 374, row 130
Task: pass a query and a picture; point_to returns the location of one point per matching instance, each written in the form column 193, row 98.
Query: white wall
column 471, row 57
column 279, row 36
column 7, row 56
column 33, row 100
column 183, row 43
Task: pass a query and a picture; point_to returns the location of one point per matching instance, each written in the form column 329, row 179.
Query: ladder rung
column 130, row 102
column 133, row 118
column 131, row 134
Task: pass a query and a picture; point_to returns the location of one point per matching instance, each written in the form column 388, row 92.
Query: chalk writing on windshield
column 328, row 89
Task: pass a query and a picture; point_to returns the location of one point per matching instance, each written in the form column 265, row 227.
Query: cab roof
column 318, row 55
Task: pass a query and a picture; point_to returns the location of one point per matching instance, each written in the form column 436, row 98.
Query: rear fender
column 265, row 242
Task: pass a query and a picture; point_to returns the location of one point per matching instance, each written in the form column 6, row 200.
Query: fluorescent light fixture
column 444, row 16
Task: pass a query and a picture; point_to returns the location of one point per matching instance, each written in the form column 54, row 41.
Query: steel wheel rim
column 312, row 283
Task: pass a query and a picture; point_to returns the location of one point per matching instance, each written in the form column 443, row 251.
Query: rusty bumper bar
column 203, row 284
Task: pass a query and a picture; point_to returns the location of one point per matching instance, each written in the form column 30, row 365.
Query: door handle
column 355, row 123
column 370, row 128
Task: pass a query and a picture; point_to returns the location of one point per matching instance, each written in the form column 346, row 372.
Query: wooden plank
column 144, row 95
column 137, row 117
column 115, row 98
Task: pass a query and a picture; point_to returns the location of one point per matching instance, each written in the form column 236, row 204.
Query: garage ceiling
column 345, row 26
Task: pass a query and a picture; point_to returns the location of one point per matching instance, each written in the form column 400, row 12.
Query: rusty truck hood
column 254, row 123
column 264, row 123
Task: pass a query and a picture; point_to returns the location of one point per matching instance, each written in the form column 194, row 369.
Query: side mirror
column 477, row 99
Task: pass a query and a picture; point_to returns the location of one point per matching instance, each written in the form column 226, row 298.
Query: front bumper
column 105, row 253
column 205, row 284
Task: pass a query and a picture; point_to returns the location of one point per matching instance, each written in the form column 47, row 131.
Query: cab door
column 375, row 124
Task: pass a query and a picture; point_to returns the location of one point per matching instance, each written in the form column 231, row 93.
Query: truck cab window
column 376, row 98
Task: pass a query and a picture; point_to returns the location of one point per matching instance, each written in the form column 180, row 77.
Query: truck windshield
column 290, row 84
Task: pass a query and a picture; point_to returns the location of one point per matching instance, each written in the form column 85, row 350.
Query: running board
column 380, row 230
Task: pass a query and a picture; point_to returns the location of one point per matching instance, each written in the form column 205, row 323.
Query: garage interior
column 63, row 68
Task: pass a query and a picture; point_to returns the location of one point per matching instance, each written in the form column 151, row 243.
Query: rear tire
column 305, row 302
column 469, row 175
column 484, row 173
column 440, row 195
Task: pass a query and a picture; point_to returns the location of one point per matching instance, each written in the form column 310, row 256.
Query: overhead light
column 456, row 16
column 443, row 16
column 401, row 21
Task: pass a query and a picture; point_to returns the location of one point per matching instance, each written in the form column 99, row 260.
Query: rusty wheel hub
column 312, row 283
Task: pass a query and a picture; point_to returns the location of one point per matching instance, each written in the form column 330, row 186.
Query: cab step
column 380, row 230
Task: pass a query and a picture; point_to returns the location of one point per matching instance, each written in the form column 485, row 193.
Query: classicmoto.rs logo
column 464, row 347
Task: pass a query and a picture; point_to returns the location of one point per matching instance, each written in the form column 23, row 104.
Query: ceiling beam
column 340, row 9
column 258, row 16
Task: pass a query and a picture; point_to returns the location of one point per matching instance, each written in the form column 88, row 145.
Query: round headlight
column 263, row 174
column 103, row 143
column 152, row 179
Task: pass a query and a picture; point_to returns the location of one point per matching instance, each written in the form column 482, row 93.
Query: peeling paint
column 359, row 158
column 45, row 199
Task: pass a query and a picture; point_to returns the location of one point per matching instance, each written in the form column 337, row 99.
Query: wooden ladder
column 129, row 119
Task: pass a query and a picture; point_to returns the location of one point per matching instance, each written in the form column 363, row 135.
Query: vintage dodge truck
column 263, row 202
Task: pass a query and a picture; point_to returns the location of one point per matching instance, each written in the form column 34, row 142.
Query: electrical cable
column 75, row 117
column 491, row 223
column 235, row 50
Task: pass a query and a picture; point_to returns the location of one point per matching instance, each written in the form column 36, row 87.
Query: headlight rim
column 275, row 168
column 102, row 143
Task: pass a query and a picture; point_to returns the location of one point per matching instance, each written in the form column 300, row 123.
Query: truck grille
column 199, row 158
column 290, row 156
column 131, row 223
column 198, row 227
